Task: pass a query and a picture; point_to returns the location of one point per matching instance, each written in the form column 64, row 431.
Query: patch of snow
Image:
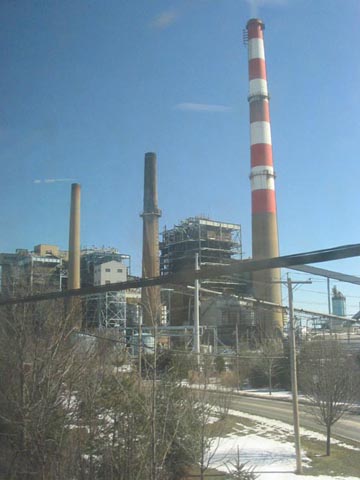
column 264, row 392
column 265, row 454
column 272, row 459
column 279, row 429
column 212, row 419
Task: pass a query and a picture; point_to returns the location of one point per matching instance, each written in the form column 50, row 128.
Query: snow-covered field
column 273, row 458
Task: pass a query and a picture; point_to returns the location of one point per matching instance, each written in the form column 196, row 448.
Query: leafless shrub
column 328, row 377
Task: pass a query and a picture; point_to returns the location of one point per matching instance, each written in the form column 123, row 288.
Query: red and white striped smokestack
column 265, row 243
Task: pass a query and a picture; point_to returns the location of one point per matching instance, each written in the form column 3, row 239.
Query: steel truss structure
column 105, row 310
column 217, row 243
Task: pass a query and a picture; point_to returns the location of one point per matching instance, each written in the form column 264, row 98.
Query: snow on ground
column 251, row 392
column 272, row 459
column 212, row 419
column 262, row 446
column 278, row 429
column 264, row 392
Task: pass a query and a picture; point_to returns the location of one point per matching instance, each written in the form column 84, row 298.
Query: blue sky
column 88, row 86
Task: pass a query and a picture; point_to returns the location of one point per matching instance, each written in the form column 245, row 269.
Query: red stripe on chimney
column 263, row 201
column 259, row 111
column 254, row 30
column 261, row 154
column 257, row 68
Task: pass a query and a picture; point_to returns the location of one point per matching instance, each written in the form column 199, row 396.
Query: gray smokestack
column 150, row 296
column 74, row 238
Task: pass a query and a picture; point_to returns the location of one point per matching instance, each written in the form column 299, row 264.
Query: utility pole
column 215, row 340
column 196, row 348
column 294, row 386
column 328, row 294
column 237, row 355
column 140, row 344
column 153, row 423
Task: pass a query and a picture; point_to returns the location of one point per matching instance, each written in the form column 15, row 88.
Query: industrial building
column 45, row 269
column 229, row 318
column 216, row 243
column 103, row 266
column 41, row 270
column 338, row 301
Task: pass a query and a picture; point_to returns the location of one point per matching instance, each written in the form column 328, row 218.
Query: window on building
column 119, row 270
column 107, row 282
column 107, row 269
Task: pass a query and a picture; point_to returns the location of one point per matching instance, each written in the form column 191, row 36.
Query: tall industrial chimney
column 74, row 238
column 265, row 242
column 150, row 296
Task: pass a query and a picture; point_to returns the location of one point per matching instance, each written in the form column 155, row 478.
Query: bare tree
column 269, row 351
column 37, row 370
column 66, row 412
column 329, row 380
column 206, row 435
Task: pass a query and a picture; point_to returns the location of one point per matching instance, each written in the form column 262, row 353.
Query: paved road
column 348, row 427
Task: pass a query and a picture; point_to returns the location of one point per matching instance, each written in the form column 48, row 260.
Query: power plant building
column 216, row 243
column 30, row 272
column 46, row 270
column 338, row 301
column 103, row 266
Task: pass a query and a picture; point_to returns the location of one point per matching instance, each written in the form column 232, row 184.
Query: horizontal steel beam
column 342, row 277
column 189, row 275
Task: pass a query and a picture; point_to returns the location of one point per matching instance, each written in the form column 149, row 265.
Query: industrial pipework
column 265, row 242
column 150, row 296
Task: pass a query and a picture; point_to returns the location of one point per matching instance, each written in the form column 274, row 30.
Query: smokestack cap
column 255, row 21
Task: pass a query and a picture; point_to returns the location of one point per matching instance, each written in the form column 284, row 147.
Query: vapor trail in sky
column 202, row 107
column 165, row 19
column 54, row 180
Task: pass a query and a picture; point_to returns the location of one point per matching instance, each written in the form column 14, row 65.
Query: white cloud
column 202, row 107
column 165, row 19
column 54, row 180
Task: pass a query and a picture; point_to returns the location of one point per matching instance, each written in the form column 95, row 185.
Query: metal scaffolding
column 106, row 310
column 217, row 243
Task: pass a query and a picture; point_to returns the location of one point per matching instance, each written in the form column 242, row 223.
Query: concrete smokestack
column 74, row 238
column 150, row 296
column 265, row 242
